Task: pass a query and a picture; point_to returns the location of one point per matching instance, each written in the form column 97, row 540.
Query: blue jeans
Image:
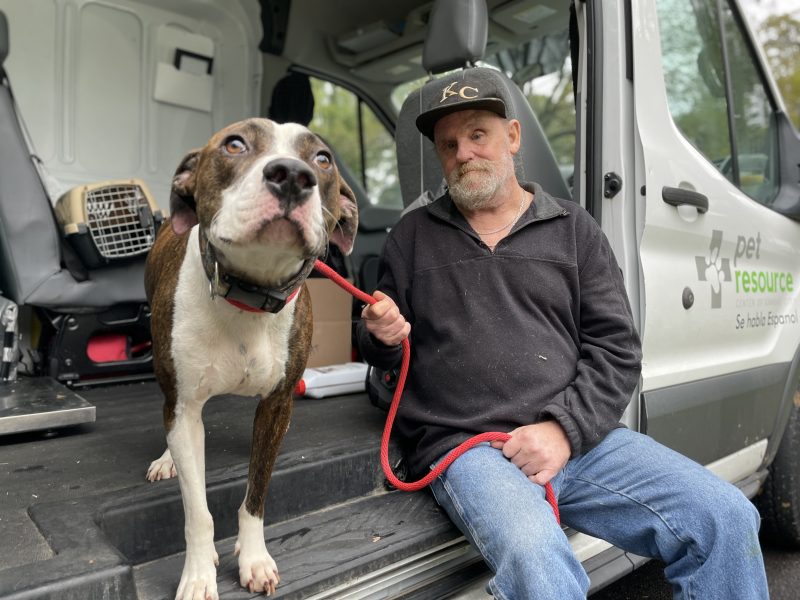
column 630, row 491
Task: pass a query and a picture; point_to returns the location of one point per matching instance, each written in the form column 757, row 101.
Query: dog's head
column 267, row 196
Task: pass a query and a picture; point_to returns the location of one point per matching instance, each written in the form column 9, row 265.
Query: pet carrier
column 109, row 221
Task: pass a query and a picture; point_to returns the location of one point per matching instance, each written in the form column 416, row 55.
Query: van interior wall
column 97, row 85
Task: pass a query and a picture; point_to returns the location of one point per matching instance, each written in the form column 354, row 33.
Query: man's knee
column 730, row 520
column 739, row 514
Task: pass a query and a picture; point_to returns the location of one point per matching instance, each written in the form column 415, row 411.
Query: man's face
column 476, row 148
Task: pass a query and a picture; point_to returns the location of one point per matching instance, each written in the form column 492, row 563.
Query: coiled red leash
column 490, row 436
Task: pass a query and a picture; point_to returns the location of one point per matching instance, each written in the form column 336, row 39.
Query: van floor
column 75, row 507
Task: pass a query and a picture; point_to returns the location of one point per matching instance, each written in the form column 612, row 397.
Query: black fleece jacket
column 538, row 329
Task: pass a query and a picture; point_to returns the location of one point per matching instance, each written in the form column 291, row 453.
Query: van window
column 692, row 59
column 755, row 128
column 361, row 142
column 542, row 68
column 694, row 75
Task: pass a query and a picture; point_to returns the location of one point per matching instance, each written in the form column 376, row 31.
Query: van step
column 83, row 491
column 32, row 404
column 326, row 549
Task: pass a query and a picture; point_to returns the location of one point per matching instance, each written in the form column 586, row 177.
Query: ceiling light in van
column 368, row 37
column 520, row 16
column 396, row 67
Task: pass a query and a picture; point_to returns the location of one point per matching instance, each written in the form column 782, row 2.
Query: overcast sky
column 758, row 10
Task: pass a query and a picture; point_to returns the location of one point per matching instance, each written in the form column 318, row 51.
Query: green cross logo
column 713, row 269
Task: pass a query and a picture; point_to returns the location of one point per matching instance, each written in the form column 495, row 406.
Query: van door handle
column 681, row 197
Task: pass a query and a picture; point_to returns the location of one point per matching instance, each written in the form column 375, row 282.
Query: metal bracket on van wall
column 612, row 184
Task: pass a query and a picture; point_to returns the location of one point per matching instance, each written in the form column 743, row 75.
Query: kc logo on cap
column 462, row 92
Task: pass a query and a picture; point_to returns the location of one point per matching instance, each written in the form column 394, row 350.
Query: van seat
column 457, row 37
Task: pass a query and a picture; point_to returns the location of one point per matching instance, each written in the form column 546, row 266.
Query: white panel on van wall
column 183, row 79
column 32, row 68
column 84, row 73
column 108, row 91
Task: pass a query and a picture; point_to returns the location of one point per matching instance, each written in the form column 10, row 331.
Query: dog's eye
column 323, row 159
column 235, row 145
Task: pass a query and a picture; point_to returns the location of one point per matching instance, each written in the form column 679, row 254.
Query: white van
column 658, row 116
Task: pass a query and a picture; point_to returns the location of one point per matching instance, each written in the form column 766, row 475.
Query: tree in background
column 780, row 38
column 337, row 115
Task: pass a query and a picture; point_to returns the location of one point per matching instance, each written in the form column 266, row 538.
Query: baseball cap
column 478, row 88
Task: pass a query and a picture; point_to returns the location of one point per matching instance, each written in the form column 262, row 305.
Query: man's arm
column 383, row 326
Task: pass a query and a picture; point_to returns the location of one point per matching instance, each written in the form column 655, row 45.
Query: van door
column 719, row 266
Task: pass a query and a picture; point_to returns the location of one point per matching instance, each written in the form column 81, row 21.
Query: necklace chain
column 510, row 223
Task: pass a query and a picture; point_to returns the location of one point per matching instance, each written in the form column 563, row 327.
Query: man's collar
column 245, row 295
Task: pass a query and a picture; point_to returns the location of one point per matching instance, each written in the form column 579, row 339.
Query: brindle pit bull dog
column 250, row 212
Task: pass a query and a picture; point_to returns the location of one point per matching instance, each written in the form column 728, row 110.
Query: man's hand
column 540, row 450
column 384, row 321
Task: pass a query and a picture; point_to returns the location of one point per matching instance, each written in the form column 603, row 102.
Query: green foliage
column 780, row 38
column 336, row 119
column 556, row 114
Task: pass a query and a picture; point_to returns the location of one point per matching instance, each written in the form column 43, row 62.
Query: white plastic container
column 333, row 380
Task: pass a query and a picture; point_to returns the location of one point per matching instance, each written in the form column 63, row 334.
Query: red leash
column 489, row 436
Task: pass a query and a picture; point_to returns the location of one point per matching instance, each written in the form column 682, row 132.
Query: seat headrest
column 292, row 100
column 457, row 34
column 3, row 38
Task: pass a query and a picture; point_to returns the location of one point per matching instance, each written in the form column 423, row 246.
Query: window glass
column 360, row 141
column 694, row 76
column 542, row 68
column 754, row 118
column 691, row 53
column 380, row 162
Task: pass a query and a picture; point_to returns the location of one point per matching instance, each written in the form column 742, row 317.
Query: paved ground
column 648, row 583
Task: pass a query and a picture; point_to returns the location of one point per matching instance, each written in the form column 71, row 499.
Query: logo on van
column 746, row 276
column 714, row 269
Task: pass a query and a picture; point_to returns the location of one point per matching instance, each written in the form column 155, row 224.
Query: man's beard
column 473, row 185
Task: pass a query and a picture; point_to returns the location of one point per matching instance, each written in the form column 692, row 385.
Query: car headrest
column 292, row 100
column 3, row 38
column 457, row 34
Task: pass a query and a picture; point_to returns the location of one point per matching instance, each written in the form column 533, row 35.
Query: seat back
column 457, row 37
column 29, row 242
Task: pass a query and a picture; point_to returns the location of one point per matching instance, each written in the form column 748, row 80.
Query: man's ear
column 182, row 206
column 344, row 232
column 514, row 135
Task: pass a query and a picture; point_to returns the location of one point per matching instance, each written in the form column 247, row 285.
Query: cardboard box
column 331, row 343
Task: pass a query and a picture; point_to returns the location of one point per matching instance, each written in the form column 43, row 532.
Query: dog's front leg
column 186, row 441
column 257, row 570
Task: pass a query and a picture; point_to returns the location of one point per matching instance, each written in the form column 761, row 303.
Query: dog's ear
column 182, row 206
column 344, row 233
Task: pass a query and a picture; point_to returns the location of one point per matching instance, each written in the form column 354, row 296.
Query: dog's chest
column 217, row 349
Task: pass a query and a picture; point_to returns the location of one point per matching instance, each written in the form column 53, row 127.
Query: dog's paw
column 162, row 468
column 257, row 571
column 199, row 578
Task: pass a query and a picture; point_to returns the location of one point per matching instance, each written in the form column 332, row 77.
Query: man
column 519, row 322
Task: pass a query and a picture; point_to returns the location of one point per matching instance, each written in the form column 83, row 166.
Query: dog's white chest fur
column 217, row 348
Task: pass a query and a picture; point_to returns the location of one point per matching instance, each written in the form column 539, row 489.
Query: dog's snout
column 289, row 179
